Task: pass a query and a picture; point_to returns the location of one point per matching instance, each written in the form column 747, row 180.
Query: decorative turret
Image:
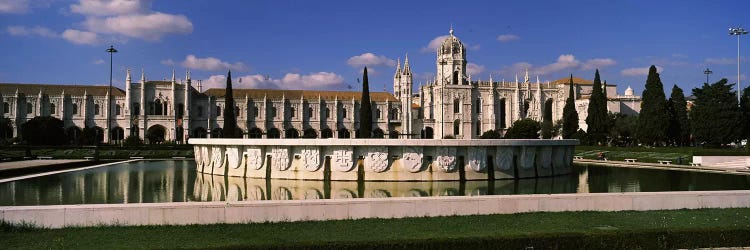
column 398, row 69
column 407, row 69
column 451, row 61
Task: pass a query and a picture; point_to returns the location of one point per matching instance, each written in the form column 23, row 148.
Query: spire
column 143, row 76
column 187, row 75
column 127, row 76
column 516, row 78
column 407, row 69
column 526, row 76
column 173, row 77
column 451, row 30
column 398, row 68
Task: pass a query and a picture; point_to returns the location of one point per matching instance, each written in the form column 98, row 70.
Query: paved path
column 622, row 164
column 15, row 165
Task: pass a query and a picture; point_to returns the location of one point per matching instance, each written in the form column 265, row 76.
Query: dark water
column 177, row 181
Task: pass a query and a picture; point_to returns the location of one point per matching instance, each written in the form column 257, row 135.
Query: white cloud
column 563, row 62
column 14, row 6
column 370, row 59
column 28, row 31
column 111, row 7
column 721, row 61
column 639, row 71
column 507, row 38
column 598, row 63
column 150, row 27
column 473, row 68
column 168, row 62
column 211, row 64
column 80, row 37
column 319, row 80
column 99, row 61
column 434, row 44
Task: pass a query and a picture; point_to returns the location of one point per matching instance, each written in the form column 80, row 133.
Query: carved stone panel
column 341, row 158
column 446, row 158
column 411, row 159
column 280, row 158
column 233, row 156
column 217, row 156
column 377, row 158
column 545, row 157
column 254, row 157
column 310, row 157
column 504, row 158
column 206, row 155
column 477, row 158
column 527, row 157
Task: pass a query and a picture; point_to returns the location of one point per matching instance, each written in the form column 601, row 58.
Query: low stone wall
column 714, row 160
column 310, row 210
column 383, row 159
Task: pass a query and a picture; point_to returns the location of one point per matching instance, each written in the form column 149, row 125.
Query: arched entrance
column 255, row 133
column 273, row 133
column 326, row 133
column 200, row 133
column 217, row 133
column 378, row 133
column 429, row 133
column 116, row 135
column 344, row 133
column 156, row 134
column 310, row 133
column 291, row 133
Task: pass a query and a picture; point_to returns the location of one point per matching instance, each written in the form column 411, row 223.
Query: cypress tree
column 230, row 120
column 547, row 120
column 365, row 111
column 679, row 126
column 653, row 120
column 716, row 116
column 570, row 115
column 597, row 113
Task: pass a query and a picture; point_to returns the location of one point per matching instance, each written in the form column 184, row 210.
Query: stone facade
column 451, row 105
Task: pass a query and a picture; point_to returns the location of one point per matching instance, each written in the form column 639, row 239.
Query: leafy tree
column 491, row 134
column 745, row 109
column 622, row 128
column 570, row 115
column 547, row 120
column 230, row 120
column 679, row 126
column 43, row 130
column 365, row 111
column 132, row 140
column 597, row 113
column 557, row 128
column 524, row 129
column 653, row 120
column 716, row 116
column 6, row 129
column 581, row 136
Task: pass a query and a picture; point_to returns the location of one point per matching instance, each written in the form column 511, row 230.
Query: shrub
column 132, row 141
column 43, row 130
column 492, row 134
column 524, row 129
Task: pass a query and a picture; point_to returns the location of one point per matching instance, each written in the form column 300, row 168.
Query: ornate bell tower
column 451, row 61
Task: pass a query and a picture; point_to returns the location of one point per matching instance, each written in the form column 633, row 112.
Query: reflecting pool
column 177, row 181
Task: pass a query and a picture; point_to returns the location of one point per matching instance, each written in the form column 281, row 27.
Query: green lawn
column 564, row 230
column 654, row 155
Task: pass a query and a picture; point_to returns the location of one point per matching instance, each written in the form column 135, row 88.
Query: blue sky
column 325, row 44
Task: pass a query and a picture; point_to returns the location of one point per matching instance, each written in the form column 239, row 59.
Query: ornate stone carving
column 446, row 158
column 478, row 159
column 341, row 158
column 217, row 157
column 411, row 159
column 254, row 157
column 377, row 158
column 545, row 157
column 504, row 158
column 527, row 157
column 313, row 194
column 233, row 156
column 310, row 157
column 206, row 155
column 280, row 158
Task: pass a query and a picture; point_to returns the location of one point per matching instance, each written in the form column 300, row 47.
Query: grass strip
column 589, row 230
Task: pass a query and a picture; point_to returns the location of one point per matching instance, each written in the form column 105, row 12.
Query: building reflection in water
column 177, row 181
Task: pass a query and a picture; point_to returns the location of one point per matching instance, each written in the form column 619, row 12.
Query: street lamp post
column 738, row 31
column 707, row 72
column 111, row 51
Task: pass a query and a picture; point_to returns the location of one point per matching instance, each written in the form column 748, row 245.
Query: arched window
column 309, row 112
column 343, row 112
column 479, row 106
column 96, row 109
column 52, row 109
column 328, row 113
column 291, row 112
column 136, row 108
column 457, row 106
column 256, row 112
column 218, row 110
column 6, row 108
column 236, row 111
column 273, row 112
column 501, row 108
column 394, row 114
column 158, row 107
column 29, row 108
column 377, row 114
column 455, row 78
column 75, row 108
column 456, row 127
column 118, row 110
column 479, row 127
